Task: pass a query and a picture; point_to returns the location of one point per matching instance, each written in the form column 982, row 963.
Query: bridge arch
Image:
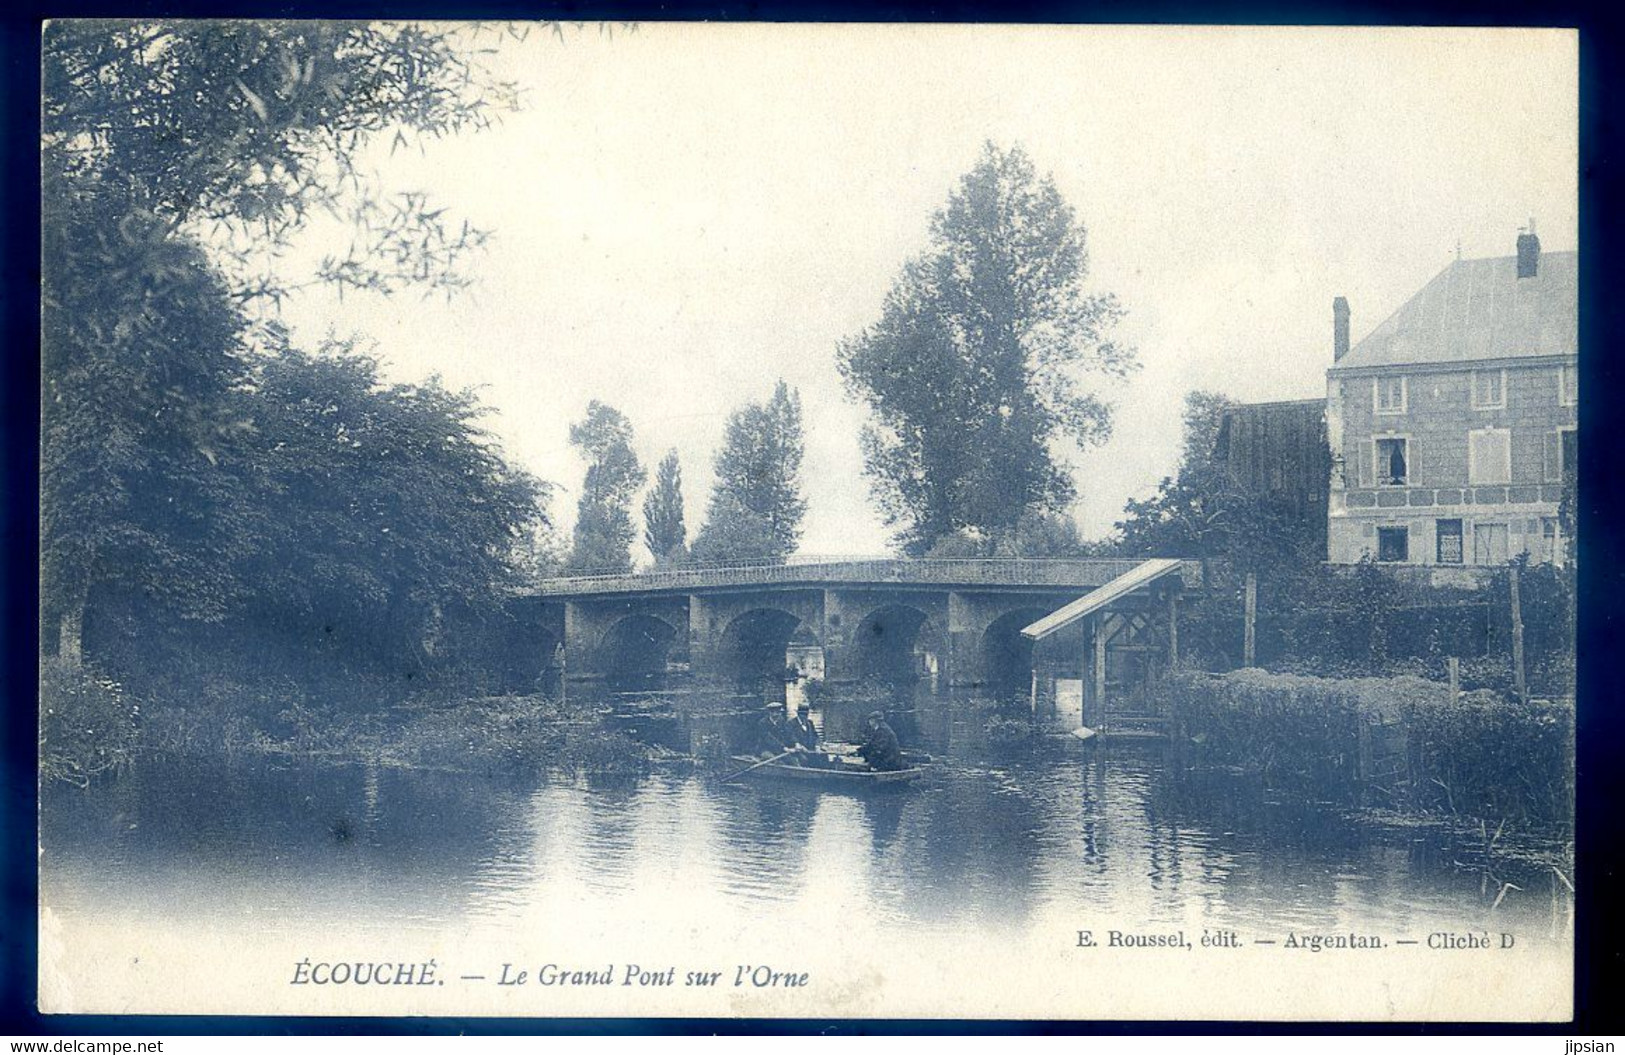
column 897, row 643
column 1007, row 656
column 756, row 645
column 634, row 651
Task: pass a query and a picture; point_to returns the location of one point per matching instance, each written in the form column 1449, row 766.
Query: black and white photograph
column 808, row 521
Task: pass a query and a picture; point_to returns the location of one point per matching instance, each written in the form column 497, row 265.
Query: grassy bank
column 1394, row 742
column 91, row 726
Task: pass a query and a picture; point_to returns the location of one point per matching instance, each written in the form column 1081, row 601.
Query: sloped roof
column 1480, row 309
column 1097, row 599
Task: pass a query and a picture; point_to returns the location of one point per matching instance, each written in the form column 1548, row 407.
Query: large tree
column 756, row 506
column 385, row 507
column 663, row 529
column 972, row 373
column 139, row 421
column 603, row 532
column 177, row 159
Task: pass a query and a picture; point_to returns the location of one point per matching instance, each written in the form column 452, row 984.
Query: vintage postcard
column 808, row 521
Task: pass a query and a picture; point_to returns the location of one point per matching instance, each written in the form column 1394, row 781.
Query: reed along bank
column 1398, row 743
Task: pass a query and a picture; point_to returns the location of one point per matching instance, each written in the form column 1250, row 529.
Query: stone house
column 1452, row 424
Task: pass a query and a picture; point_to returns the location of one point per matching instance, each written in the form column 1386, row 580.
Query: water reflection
column 983, row 841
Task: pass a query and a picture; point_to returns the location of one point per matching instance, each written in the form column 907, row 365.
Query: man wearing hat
column 800, row 732
column 881, row 750
column 772, row 731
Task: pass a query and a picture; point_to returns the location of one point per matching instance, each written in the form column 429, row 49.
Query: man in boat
column 801, row 733
column 881, row 749
column 772, row 732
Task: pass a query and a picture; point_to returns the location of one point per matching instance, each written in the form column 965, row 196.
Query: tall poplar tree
column 663, row 529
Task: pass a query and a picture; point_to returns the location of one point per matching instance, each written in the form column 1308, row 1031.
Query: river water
column 988, row 855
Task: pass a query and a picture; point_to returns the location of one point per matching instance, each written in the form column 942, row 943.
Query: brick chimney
column 1528, row 252
column 1340, row 328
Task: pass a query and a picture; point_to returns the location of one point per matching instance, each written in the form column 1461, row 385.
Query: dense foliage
column 756, row 507
column 1036, row 536
column 973, row 371
column 388, row 505
column 88, row 723
column 1396, row 741
column 241, row 131
column 1369, row 620
column 219, row 509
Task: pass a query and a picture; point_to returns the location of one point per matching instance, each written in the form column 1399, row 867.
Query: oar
column 763, row 762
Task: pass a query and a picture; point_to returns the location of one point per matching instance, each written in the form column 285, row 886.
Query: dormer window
column 1489, row 389
column 1389, row 395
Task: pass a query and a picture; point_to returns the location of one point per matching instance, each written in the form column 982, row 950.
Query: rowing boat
column 834, row 774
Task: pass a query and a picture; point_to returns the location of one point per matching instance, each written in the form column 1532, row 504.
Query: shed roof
column 1475, row 310
column 1099, row 598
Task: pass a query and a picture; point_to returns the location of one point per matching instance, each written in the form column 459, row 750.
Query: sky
column 685, row 214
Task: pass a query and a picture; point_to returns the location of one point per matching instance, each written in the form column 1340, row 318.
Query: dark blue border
column 19, row 532
column 1602, row 791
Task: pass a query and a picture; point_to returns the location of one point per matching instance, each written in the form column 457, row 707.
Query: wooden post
column 1454, row 666
column 1364, row 757
column 1173, row 630
column 1100, row 667
column 1517, row 641
column 1248, row 647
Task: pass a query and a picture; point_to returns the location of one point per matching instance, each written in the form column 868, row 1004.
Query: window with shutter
column 1392, row 461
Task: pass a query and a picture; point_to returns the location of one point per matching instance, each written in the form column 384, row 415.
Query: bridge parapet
column 963, row 573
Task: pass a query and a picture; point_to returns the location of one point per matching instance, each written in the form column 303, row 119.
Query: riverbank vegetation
column 92, row 727
column 1368, row 620
column 1398, row 743
column 88, row 724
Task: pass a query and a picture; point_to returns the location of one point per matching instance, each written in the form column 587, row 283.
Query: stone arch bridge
column 958, row 622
